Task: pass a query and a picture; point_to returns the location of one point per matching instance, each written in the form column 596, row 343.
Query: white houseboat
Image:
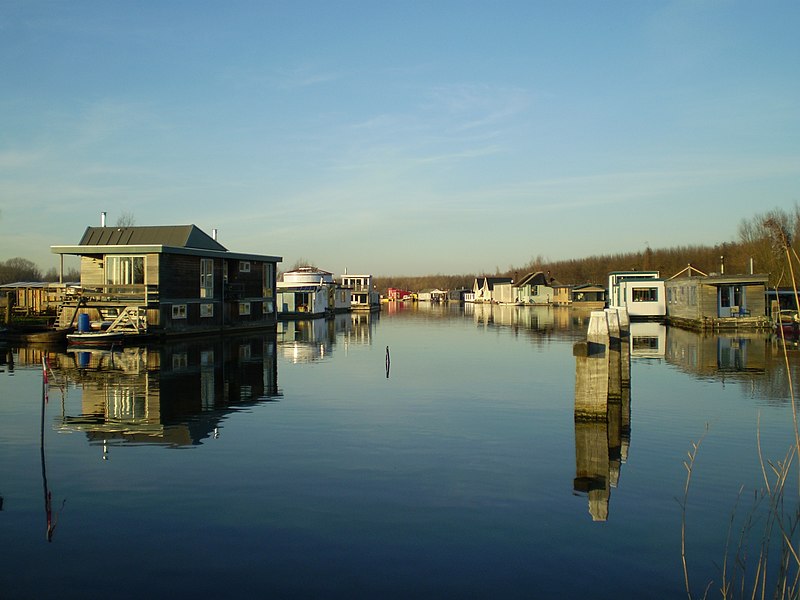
column 641, row 292
column 309, row 292
column 363, row 296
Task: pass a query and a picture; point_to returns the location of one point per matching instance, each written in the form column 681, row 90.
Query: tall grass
column 761, row 557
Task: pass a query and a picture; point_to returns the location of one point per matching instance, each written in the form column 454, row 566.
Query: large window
column 644, row 294
column 206, row 277
column 124, row 270
column 269, row 276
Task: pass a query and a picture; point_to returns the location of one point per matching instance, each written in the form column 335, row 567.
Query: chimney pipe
column 103, row 219
column 214, row 234
column 751, row 266
column 722, row 265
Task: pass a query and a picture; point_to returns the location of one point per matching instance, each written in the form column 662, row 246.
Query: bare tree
column 19, row 269
column 126, row 219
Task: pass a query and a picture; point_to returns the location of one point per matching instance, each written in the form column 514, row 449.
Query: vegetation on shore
column 755, row 242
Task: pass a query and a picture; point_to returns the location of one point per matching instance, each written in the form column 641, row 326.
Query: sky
column 399, row 138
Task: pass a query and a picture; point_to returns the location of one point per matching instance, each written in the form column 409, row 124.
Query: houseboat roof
column 162, row 239
column 717, row 279
column 179, row 236
column 492, row 281
column 589, row 287
column 537, row 278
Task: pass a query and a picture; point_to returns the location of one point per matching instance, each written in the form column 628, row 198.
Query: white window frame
column 244, row 266
column 244, row 308
column 206, row 310
column 179, row 311
column 119, row 269
column 206, row 277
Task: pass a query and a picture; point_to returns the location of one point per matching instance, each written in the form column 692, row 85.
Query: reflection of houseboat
column 648, row 339
column 176, row 394
column 309, row 292
column 730, row 354
column 363, row 296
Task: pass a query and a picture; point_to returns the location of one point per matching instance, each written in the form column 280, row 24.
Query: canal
column 306, row 464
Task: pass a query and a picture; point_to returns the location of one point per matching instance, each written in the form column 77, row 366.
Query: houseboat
column 483, row 289
column 532, row 289
column 309, row 292
column 363, row 295
column 588, row 295
column 641, row 292
column 717, row 301
column 177, row 277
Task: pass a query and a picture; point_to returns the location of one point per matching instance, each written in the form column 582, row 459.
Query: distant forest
column 761, row 239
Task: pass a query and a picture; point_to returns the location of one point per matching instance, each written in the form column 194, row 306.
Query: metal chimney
column 214, row 234
column 103, row 219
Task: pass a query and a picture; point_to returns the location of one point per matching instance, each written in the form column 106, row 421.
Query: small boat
column 98, row 338
column 129, row 325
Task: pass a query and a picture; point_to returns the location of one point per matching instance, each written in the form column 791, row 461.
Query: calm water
column 295, row 465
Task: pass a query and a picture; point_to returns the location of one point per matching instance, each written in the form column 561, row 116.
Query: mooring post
column 388, row 362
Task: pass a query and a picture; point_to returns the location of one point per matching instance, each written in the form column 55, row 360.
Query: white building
column 643, row 293
column 309, row 292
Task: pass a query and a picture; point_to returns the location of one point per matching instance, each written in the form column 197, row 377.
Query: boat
column 129, row 325
column 98, row 338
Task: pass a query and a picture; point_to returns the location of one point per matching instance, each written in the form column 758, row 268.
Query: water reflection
column 175, row 395
column 302, row 341
column 648, row 339
column 51, row 516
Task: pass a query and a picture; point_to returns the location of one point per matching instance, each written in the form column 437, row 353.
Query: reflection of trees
column 773, row 385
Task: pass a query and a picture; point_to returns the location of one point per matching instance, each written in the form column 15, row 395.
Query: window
column 178, row 311
column 206, row 311
column 180, row 360
column 124, row 270
column 244, row 308
column 644, row 343
column 244, row 266
column 206, row 277
column 269, row 277
column 644, row 294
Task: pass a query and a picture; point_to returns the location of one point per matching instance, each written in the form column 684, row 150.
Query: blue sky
column 399, row 137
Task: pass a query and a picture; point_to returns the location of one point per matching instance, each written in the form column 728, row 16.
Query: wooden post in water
column 602, row 430
column 591, row 369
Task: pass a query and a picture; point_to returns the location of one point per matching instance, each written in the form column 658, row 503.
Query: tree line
column 760, row 243
column 19, row 269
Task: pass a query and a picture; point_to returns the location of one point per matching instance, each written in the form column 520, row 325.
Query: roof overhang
column 79, row 250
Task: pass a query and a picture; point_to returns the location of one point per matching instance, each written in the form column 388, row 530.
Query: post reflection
column 176, row 394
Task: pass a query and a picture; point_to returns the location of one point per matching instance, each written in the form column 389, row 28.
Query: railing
column 118, row 294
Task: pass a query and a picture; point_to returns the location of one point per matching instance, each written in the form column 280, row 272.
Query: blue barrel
column 83, row 323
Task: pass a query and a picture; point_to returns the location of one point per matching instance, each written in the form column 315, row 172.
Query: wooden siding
column 92, row 274
column 181, row 281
